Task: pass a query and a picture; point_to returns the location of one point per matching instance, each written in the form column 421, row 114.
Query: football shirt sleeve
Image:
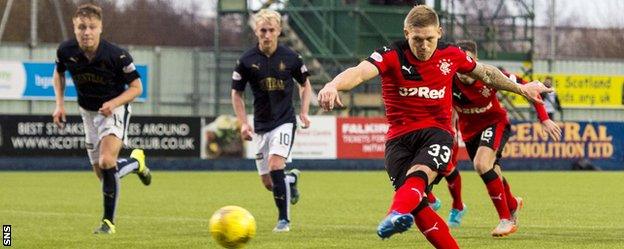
column 128, row 69
column 465, row 64
column 379, row 58
column 238, row 77
column 60, row 63
column 300, row 71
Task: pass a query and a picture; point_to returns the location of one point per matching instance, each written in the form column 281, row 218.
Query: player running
column 270, row 68
column 106, row 81
column 485, row 128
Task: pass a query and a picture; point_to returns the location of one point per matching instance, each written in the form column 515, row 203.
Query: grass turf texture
column 337, row 210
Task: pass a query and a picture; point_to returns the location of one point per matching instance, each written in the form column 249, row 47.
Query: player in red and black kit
column 454, row 183
column 416, row 77
column 485, row 129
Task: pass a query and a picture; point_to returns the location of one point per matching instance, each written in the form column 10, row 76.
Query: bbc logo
column 6, row 235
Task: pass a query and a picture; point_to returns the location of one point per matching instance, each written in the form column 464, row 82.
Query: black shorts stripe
column 292, row 139
column 126, row 121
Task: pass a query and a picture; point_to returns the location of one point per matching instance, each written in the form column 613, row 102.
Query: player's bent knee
column 481, row 166
column 426, row 171
column 276, row 167
column 451, row 176
column 419, row 167
column 107, row 162
column 420, row 174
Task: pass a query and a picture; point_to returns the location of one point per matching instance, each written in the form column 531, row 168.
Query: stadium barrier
column 33, row 80
column 331, row 143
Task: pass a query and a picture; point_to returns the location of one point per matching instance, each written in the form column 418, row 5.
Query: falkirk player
column 270, row 68
column 416, row 77
column 485, row 129
column 106, row 81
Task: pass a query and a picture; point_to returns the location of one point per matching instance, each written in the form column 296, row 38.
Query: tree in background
column 137, row 22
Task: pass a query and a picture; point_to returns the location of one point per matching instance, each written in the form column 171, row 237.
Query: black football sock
column 110, row 190
column 126, row 166
column 280, row 193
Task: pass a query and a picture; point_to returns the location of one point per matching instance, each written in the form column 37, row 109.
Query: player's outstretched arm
column 493, row 77
column 305, row 93
column 548, row 126
column 345, row 81
column 59, row 95
column 238, row 103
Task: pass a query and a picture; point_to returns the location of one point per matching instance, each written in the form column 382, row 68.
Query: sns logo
column 445, row 66
column 423, row 92
column 6, row 235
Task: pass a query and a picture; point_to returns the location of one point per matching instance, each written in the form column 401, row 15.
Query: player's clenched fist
column 59, row 116
column 107, row 108
column 246, row 132
column 328, row 97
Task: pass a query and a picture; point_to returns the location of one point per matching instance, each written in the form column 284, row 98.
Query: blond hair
column 88, row 11
column 267, row 15
column 421, row 16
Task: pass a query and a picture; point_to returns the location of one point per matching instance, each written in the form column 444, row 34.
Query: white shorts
column 275, row 142
column 97, row 126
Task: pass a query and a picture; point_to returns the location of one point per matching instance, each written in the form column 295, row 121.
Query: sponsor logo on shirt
column 474, row 110
column 272, row 84
column 423, row 92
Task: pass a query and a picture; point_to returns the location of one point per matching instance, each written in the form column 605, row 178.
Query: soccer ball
column 232, row 226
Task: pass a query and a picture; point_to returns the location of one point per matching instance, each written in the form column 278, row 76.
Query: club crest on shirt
column 282, row 66
column 486, row 92
column 445, row 66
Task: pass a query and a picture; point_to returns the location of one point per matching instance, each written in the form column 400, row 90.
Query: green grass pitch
column 337, row 210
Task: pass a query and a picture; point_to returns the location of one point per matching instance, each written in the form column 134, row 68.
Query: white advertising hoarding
column 316, row 142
